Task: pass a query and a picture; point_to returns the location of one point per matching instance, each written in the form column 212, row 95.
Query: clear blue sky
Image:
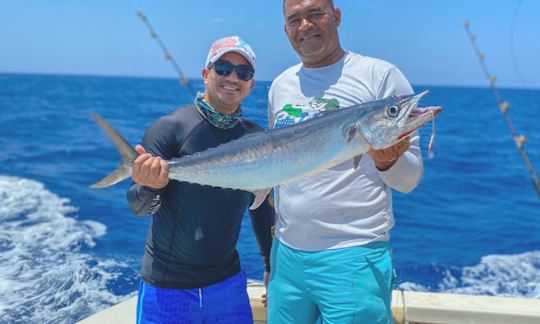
column 424, row 38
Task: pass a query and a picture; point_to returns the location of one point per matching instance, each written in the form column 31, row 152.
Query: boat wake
column 515, row 275
column 47, row 274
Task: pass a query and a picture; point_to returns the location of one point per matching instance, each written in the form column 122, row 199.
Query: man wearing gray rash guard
column 190, row 268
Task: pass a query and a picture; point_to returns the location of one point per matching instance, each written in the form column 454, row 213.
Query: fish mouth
column 410, row 102
column 418, row 117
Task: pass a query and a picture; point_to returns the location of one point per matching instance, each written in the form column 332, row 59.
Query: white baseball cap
column 230, row 44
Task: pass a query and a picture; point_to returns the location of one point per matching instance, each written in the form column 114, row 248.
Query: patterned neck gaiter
column 214, row 117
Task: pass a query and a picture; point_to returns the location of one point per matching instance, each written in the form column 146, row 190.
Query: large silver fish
column 257, row 162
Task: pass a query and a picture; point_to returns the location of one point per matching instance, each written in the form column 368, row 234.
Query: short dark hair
column 331, row 2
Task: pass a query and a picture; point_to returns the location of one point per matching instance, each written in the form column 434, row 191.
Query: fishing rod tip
column 141, row 15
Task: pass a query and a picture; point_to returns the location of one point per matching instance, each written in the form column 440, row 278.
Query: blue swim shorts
column 224, row 302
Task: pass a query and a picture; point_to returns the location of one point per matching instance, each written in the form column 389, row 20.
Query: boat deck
column 407, row 306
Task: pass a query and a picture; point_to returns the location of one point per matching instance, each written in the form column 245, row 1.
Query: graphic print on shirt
column 293, row 113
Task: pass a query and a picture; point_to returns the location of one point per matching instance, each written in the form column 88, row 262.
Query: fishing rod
column 504, row 107
column 182, row 78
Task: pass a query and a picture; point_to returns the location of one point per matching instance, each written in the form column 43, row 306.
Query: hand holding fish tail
column 150, row 171
column 385, row 158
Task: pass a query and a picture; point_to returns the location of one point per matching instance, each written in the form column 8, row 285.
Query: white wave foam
column 496, row 275
column 44, row 276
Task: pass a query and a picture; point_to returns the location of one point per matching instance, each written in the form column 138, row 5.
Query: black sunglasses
column 243, row 71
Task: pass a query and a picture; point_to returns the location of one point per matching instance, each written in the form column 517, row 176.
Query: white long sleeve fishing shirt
column 342, row 206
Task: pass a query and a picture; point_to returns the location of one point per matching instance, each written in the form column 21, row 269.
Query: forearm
column 262, row 221
column 405, row 174
column 143, row 200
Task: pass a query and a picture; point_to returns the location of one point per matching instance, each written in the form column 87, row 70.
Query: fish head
column 387, row 121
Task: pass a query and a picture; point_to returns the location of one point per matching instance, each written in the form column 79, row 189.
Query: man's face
column 225, row 93
column 311, row 26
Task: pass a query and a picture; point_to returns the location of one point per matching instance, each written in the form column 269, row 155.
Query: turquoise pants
column 349, row 285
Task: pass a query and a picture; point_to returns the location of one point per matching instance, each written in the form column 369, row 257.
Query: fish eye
column 392, row 111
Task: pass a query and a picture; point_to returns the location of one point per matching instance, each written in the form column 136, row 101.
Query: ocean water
column 67, row 251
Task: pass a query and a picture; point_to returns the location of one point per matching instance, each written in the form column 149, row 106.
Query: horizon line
column 157, row 77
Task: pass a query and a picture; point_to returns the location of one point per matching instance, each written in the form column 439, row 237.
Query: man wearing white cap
column 190, row 269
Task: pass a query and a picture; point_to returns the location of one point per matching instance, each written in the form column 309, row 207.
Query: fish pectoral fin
column 260, row 196
column 350, row 132
column 356, row 161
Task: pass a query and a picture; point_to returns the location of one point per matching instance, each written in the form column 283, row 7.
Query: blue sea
column 66, row 251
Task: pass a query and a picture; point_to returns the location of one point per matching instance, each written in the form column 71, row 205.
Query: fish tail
column 127, row 155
